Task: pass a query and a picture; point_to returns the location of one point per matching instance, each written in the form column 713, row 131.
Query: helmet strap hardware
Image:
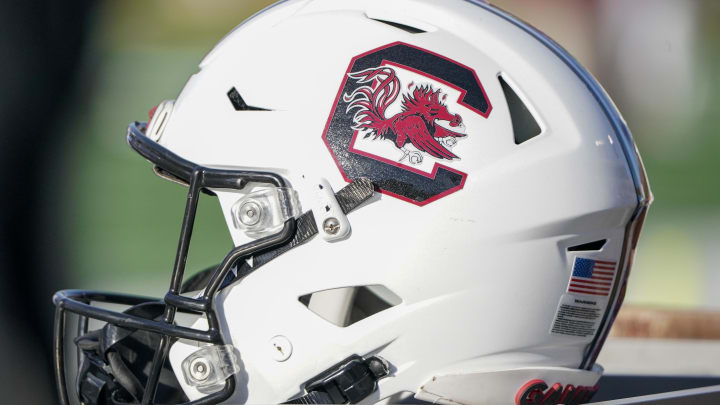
column 347, row 383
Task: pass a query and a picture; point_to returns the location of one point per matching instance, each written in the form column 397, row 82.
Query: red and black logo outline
column 395, row 179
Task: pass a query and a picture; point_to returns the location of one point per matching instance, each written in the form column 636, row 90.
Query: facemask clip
column 207, row 368
column 331, row 219
column 262, row 213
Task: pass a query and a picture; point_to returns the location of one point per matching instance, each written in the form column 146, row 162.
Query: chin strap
column 315, row 397
column 349, row 197
column 354, row 194
column 346, row 383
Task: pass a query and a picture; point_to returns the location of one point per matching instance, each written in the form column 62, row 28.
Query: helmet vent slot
column 525, row 126
column 404, row 27
column 239, row 104
column 594, row 245
column 347, row 305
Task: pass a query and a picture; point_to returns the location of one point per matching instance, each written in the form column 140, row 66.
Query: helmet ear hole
column 347, row 305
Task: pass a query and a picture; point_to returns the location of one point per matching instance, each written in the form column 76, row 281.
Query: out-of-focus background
column 79, row 209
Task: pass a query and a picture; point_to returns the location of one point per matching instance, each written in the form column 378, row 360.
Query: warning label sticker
column 578, row 316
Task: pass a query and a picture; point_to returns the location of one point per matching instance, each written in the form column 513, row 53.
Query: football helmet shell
column 503, row 258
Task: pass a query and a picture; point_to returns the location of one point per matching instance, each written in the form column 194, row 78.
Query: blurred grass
column 122, row 222
column 171, row 23
column 683, row 161
column 675, row 265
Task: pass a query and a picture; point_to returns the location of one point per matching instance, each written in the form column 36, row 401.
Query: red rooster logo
column 416, row 123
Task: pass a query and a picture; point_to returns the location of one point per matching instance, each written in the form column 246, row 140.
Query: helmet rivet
column 331, row 226
column 281, row 348
column 250, row 213
column 200, row 369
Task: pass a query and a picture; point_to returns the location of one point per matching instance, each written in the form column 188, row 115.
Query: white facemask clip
column 332, row 222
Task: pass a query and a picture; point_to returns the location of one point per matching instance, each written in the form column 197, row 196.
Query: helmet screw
column 281, row 348
column 250, row 213
column 199, row 369
column 331, row 226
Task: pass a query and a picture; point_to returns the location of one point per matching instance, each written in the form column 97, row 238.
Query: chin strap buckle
column 347, row 383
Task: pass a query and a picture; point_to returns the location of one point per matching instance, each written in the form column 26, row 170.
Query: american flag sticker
column 592, row 277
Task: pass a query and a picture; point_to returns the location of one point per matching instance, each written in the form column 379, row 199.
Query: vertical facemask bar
column 59, row 349
column 159, row 358
column 185, row 234
column 59, row 355
column 82, row 330
column 161, row 352
column 196, row 181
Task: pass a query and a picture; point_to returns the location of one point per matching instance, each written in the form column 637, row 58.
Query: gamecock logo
column 398, row 120
column 414, row 124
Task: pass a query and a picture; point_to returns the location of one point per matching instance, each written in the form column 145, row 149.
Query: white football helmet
column 428, row 199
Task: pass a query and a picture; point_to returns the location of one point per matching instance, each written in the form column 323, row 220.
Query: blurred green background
column 659, row 60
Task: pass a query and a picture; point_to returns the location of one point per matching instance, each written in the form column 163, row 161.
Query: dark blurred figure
column 40, row 48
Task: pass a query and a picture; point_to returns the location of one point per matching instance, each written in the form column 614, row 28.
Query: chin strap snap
column 347, row 383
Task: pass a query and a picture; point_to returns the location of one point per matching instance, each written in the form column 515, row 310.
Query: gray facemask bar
column 198, row 178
